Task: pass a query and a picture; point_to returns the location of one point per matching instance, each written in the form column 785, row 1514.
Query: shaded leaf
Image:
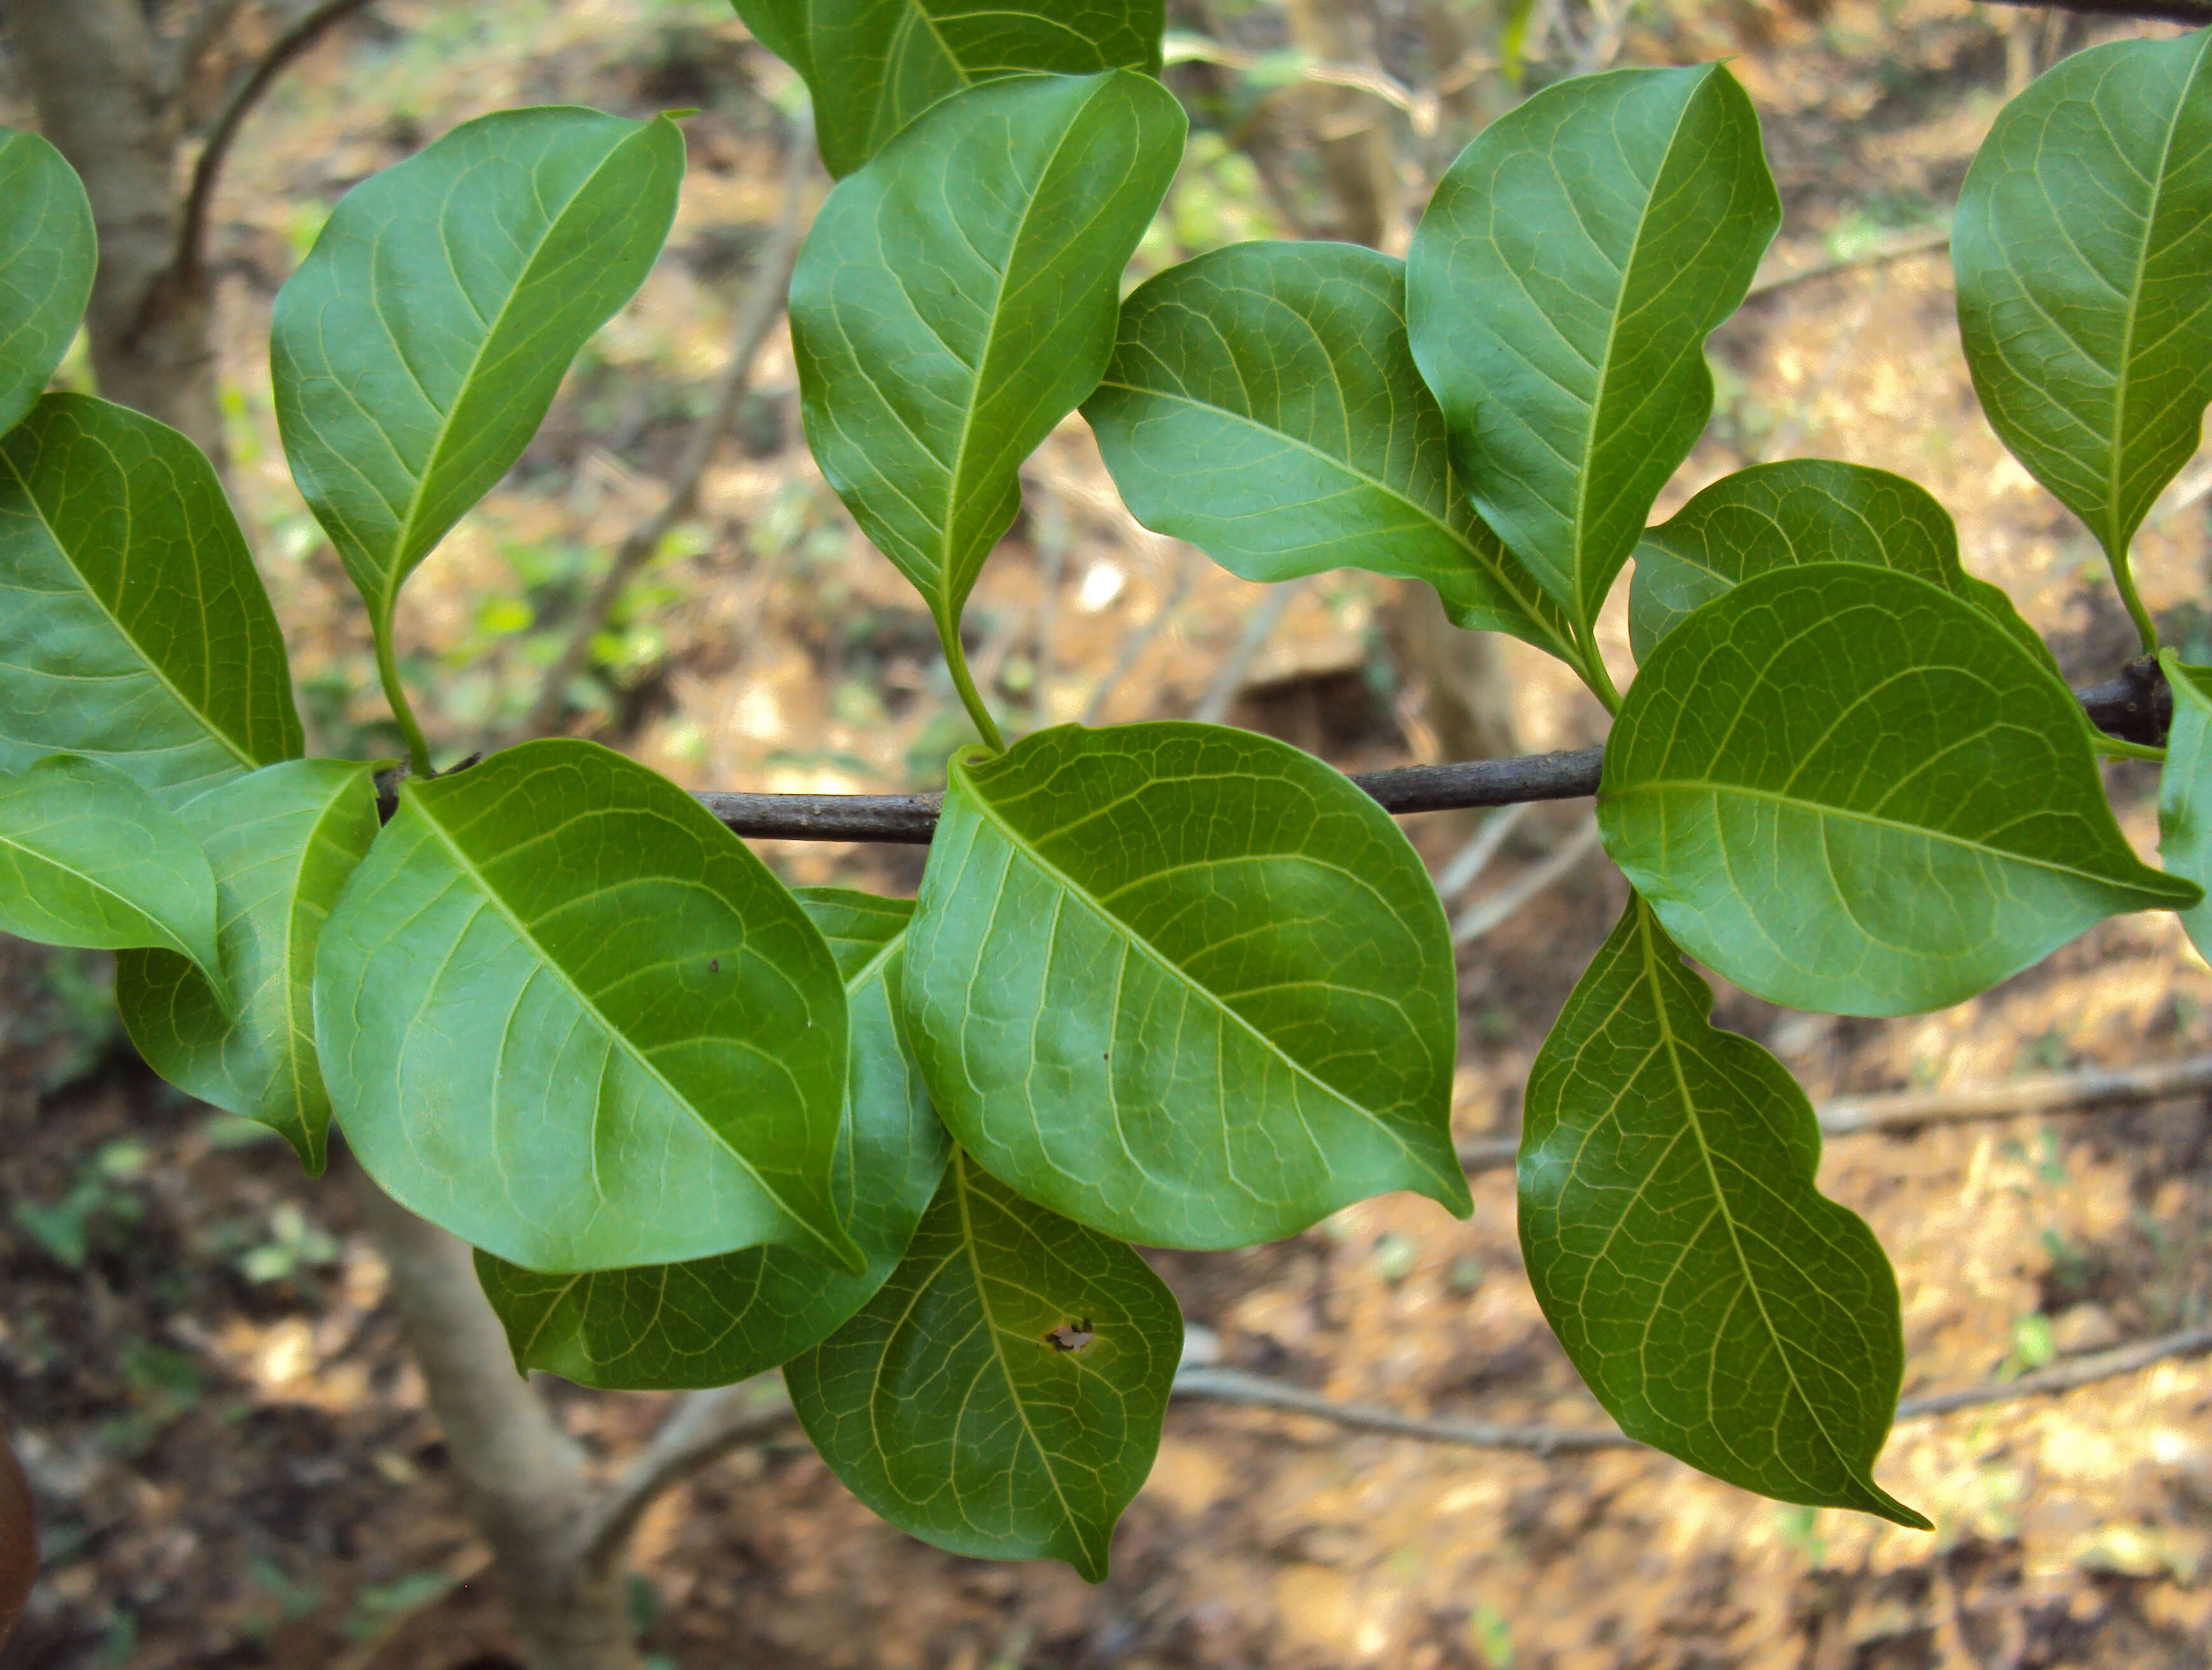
column 2184, row 790
column 715, row 1322
column 874, row 65
column 47, row 254
column 1797, row 511
column 957, row 298
column 88, row 858
column 415, row 351
column 1262, row 404
column 955, row 1405
column 2083, row 234
column 1847, row 790
column 1561, row 286
column 566, row 1015
column 282, row 843
column 1713, row 1300
column 133, row 627
column 1184, row 984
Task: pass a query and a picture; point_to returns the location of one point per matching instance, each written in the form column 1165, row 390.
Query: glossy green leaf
column 1798, row 511
column 874, row 65
column 715, row 1322
column 1560, row 289
column 1262, row 404
column 1184, row 984
column 566, row 1015
column 1713, row 1300
column 2184, row 790
column 415, row 351
column 281, row 842
column 957, row 298
column 88, row 858
column 1002, row 1395
column 133, row 627
column 47, row 254
column 1848, row 790
column 2080, row 246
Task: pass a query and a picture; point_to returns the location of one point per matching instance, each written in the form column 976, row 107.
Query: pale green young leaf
column 1184, row 984
column 88, row 858
column 1847, row 790
column 1717, row 1304
column 2081, row 246
column 133, row 627
column 2184, row 790
column 1262, row 404
column 715, row 1322
column 1561, row 286
column 281, row 842
column 1797, row 511
column 873, row 65
column 566, row 1015
column 47, row 254
column 415, row 351
column 1002, row 1395
column 957, row 298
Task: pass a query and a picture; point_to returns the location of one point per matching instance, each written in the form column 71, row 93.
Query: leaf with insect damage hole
column 1002, row 1395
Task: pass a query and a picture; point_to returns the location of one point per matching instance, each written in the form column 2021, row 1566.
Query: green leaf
column 1714, row 1301
column 47, row 254
column 2184, row 789
column 2083, row 234
column 1561, row 286
column 1002, row 1395
column 415, row 351
column 133, row 627
column 957, row 298
column 1847, row 790
column 1184, row 984
column 715, row 1322
column 88, row 858
column 1798, row 511
column 874, row 65
column 1262, row 404
column 566, row 1015
column 281, row 842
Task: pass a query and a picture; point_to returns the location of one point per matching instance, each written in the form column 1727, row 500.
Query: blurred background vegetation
column 230, row 1452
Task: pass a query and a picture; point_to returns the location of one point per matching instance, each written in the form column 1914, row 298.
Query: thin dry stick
column 192, row 232
column 763, row 307
column 1258, row 626
column 2094, row 1087
column 702, row 1427
column 1923, row 241
column 1234, row 1386
column 1484, row 914
column 1468, row 864
column 2192, row 12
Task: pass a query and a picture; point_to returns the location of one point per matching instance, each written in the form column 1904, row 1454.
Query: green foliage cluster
column 1165, row 983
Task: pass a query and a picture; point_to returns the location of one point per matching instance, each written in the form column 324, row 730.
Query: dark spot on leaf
column 714, row 965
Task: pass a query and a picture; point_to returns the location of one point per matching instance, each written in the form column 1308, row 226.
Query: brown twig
column 192, row 231
column 2136, row 705
column 1907, row 1110
column 2192, row 12
column 763, row 307
column 703, row 1427
column 1925, row 241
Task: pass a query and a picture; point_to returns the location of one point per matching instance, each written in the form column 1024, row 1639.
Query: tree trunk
column 97, row 78
column 521, row 1477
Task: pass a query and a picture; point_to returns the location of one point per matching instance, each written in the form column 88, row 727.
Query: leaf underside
column 2185, row 791
column 715, row 1322
column 1184, row 984
column 1849, row 791
column 949, row 1406
column 1714, row 1301
column 1262, row 404
column 566, row 1015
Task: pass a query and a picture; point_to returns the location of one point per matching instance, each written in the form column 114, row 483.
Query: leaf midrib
column 1706, row 786
column 405, row 534
column 1212, row 999
column 498, row 901
column 15, row 844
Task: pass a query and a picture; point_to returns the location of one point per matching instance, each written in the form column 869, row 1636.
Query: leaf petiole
column 387, row 673
column 2119, row 748
column 956, row 660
